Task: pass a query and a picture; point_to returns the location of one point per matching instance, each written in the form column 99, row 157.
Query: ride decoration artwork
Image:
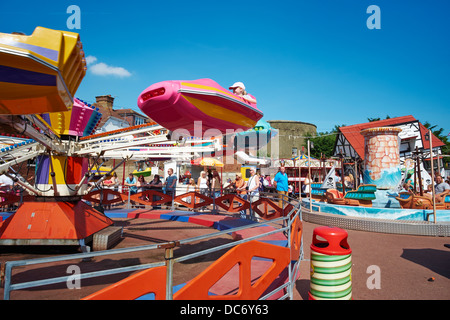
column 381, row 157
column 179, row 104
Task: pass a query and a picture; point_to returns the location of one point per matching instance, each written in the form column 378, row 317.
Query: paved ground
column 406, row 263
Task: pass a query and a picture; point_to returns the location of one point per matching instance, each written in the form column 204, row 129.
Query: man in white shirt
column 6, row 182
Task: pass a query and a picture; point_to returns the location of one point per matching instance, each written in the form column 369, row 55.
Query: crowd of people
column 209, row 183
column 441, row 188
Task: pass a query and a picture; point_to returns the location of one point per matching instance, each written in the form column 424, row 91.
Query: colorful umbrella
column 207, row 162
column 302, row 157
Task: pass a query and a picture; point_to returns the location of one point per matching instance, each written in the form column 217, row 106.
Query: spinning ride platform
column 52, row 223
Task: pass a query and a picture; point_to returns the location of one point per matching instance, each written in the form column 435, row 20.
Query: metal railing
column 281, row 225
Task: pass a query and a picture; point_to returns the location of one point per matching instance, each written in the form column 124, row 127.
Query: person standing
column 306, row 186
column 191, row 187
column 253, row 186
column 240, row 185
column 171, row 183
column 140, row 183
column 202, row 183
column 131, row 183
column 216, row 185
column 156, row 184
column 241, row 191
column 281, row 185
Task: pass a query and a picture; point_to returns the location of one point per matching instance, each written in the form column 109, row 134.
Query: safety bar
column 286, row 221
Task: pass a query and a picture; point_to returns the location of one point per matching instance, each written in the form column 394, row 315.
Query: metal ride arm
column 25, row 127
column 120, row 134
column 86, row 175
column 24, row 184
column 18, row 155
column 118, row 144
column 154, row 146
column 44, row 126
column 106, row 175
column 157, row 152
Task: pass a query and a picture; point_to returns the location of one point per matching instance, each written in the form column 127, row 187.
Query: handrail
column 286, row 221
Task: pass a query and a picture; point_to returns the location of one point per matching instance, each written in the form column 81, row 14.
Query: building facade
column 291, row 137
column 413, row 137
column 113, row 119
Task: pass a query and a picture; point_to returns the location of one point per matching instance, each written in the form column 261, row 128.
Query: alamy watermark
column 74, row 20
column 73, row 281
column 233, row 140
column 374, row 280
column 374, row 20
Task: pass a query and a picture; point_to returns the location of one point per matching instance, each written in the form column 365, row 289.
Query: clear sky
column 311, row 61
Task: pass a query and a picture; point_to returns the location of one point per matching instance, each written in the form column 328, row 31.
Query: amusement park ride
column 39, row 76
column 42, row 121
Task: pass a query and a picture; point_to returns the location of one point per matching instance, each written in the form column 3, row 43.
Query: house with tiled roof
column 113, row 119
column 350, row 141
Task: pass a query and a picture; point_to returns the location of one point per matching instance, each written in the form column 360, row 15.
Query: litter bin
column 331, row 265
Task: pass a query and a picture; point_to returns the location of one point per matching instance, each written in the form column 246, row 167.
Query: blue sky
column 311, row 61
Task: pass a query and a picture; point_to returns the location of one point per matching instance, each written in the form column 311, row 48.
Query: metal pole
column 172, row 193
column 169, row 275
column 419, row 177
column 432, row 177
column 342, row 175
column 7, row 281
column 438, row 162
column 310, row 178
column 168, row 256
column 290, row 275
column 129, row 194
column 299, row 180
column 415, row 174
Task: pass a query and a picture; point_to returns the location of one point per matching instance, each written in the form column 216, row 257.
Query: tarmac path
column 407, row 266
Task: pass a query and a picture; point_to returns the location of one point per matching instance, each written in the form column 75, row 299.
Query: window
column 138, row 121
column 294, row 152
column 405, row 146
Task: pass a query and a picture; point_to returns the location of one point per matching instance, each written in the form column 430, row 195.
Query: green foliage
column 323, row 143
column 438, row 132
column 377, row 119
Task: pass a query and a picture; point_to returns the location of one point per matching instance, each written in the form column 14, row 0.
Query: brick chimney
column 105, row 102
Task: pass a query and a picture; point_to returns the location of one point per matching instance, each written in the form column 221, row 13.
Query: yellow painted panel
column 218, row 112
column 58, row 167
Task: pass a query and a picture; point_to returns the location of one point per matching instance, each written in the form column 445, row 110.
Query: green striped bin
column 331, row 265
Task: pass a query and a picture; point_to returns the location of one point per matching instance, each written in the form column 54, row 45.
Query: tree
column 438, row 133
column 377, row 119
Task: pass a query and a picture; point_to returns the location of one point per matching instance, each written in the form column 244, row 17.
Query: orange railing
column 266, row 208
column 272, row 276
column 145, row 282
column 249, row 287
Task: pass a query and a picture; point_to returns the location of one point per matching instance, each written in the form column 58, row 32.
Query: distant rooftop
column 291, row 121
column 355, row 138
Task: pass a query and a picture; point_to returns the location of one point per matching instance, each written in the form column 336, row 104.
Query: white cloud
column 102, row 69
column 90, row 60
